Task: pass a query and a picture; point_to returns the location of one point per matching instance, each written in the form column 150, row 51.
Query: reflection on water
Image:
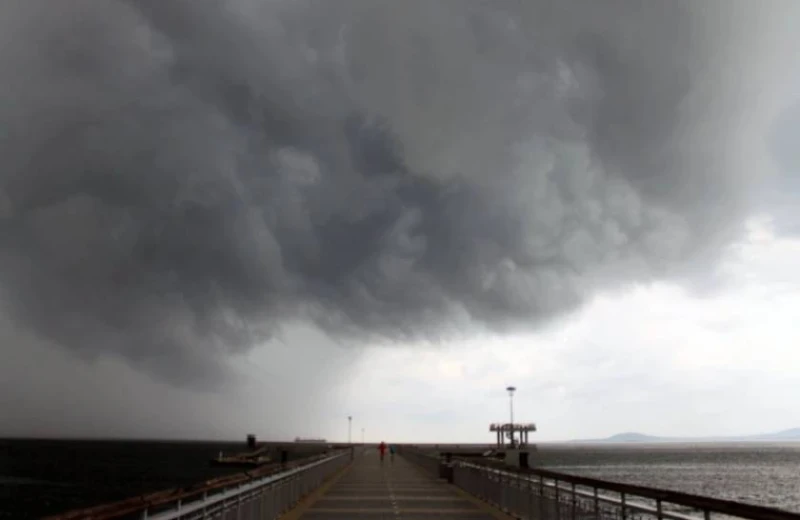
column 764, row 474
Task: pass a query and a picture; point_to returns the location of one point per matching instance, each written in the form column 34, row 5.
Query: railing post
column 558, row 500
column 504, row 491
column 706, row 514
column 622, row 501
column 541, row 498
column 483, row 475
column 574, row 502
column 530, row 497
column 596, row 505
column 658, row 509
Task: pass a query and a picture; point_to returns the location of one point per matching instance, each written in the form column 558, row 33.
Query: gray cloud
column 779, row 197
column 180, row 178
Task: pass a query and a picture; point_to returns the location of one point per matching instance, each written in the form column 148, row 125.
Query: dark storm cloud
column 179, row 178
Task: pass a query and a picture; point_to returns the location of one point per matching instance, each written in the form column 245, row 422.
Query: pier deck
column 397, row 490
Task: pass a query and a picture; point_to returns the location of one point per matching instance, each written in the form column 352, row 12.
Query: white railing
column 517, row 493
column 539, row 494
column 265, row 497
column 244, row 496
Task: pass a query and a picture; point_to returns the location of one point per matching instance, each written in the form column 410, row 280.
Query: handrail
column 243, row 488
column 565, row 486
column 698, row 502
column 428, row 459
column 207, row 492
column 629, row 506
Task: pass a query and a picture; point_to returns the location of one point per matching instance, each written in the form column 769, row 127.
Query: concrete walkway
column 390, row 490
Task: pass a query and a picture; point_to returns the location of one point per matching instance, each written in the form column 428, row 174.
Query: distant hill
column 633, row 437
column 791, row 434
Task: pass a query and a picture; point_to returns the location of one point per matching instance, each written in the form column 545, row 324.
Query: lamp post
column 511, row 391
column 362, row 436
column 349, row 429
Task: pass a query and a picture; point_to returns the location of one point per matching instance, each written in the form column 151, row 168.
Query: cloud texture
column 180, row 178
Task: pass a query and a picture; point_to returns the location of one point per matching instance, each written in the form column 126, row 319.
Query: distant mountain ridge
column 792, row 434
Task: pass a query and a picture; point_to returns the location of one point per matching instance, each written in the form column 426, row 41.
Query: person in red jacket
column 382, row 449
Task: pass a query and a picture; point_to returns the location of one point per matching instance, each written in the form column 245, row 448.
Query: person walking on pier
column 382, row 449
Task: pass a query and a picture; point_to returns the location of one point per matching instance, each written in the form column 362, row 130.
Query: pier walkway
column 390, row 490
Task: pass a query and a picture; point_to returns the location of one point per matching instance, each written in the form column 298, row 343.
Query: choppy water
column 763, row 474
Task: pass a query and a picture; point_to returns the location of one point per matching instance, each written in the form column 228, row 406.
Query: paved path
column 391, row 490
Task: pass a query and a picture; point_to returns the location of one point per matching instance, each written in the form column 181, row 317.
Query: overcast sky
column 223, row 217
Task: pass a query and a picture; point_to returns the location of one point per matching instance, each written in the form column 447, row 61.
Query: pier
column 421, row 482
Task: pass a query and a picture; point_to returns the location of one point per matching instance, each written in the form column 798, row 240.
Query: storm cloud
column 181, row 178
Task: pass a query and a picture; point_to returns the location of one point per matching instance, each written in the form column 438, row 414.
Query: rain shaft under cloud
column 180, row 178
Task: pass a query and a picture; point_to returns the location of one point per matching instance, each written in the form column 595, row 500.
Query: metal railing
column 539, row 494
column 428, row 462
column 264, row 497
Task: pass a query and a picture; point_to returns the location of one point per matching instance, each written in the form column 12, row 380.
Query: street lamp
column 511, row 391
column 362, row 436
column 349, row 429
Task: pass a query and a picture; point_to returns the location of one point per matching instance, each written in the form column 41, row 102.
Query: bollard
column 446, row 467
column 523, row 460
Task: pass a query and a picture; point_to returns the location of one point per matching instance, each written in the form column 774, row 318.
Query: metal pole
column 511, row 390
column 349, row 429
column 362, row 435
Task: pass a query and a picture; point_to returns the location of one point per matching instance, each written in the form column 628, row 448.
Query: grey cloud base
column 180, row 178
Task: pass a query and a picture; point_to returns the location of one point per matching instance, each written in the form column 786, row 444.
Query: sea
column 765, row 474
column 39, row 477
